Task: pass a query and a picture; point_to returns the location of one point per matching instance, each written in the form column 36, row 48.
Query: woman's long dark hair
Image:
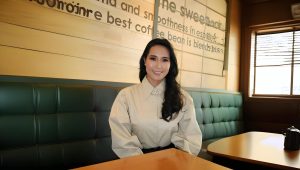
column 172, row 98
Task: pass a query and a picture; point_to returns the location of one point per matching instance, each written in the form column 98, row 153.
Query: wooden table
column 170, row 159
column 261, row 148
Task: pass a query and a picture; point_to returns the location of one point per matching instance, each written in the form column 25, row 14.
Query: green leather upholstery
column 52, row 125
column 219, row 115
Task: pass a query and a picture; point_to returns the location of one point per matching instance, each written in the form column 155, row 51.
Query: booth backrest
column 219, row 113
column 62, row 126
column 54, row 126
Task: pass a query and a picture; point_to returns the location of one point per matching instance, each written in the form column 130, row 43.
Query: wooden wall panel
column 218, row 5
column 192, row 62
column 92, row 49
column 26, row 38
column 198, row 8
column 213, row 67
column 210, row 81
column 53, row 41
column 23, row 62
column 35, row 16
column 201, row 39
column 271, row 114
column 179, row 58
column 232, row 73
column 191, row 79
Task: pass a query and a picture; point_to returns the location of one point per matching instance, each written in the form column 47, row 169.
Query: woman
column 156, row 113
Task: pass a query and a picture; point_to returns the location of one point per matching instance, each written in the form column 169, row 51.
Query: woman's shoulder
column 185, row 93
column 124, row 94
column 129, row 89
column 187, row 98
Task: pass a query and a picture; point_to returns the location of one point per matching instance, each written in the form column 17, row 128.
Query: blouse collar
column 150, row 90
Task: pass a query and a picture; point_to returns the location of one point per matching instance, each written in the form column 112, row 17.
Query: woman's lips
column 157, row 72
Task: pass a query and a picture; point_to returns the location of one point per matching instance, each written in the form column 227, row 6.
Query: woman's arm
column 189, row 136
column 124, row 143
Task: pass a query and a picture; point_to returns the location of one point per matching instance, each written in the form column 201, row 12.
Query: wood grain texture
column 41, row 37
column 22, row 62
column 258, row 148
column 170, row 159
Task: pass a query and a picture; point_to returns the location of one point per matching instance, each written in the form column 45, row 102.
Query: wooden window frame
column 292, row 25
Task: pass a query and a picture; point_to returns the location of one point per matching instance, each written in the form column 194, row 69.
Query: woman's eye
column 152, row 58
column 166, row 60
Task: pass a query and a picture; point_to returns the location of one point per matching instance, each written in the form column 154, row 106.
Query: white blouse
column 136, row 122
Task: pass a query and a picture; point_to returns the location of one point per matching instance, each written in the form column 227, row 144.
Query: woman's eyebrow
column 153, row 55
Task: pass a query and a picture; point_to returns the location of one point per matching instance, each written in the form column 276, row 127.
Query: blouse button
column 155, row 92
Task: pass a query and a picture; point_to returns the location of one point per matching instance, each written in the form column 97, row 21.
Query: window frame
column 269, row 29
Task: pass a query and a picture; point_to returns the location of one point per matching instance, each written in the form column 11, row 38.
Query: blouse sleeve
column 124, row 143
column 189, row 136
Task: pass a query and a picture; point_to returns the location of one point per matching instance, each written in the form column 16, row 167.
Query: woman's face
column 157, row 64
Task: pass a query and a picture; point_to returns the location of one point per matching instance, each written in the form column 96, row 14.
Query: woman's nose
column 158, row 64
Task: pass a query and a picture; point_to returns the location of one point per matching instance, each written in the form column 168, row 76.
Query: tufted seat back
column 54, row 126
column 219, row 114
column 46, row 125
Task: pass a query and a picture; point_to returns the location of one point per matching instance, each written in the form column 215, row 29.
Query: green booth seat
column 63, row 124
column 52, row 126
column 219, row 114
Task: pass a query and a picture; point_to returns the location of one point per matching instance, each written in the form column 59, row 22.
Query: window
column 275, row 63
